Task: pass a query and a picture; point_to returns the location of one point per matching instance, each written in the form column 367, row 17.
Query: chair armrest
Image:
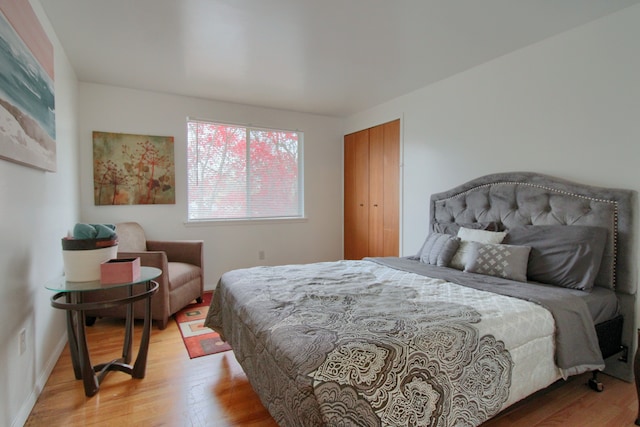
column 156, row 259
column 187, row 251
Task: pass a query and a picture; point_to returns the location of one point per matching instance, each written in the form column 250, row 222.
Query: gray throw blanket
column 577, row 348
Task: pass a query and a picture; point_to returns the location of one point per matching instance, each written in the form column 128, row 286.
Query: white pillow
column 460, row 259
column 481, row 236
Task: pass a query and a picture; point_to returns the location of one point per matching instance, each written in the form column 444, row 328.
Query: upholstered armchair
column 181, row 281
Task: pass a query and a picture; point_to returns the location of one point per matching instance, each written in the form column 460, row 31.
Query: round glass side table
column 72, row 293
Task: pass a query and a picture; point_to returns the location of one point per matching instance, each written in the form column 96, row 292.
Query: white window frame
column 248, row 129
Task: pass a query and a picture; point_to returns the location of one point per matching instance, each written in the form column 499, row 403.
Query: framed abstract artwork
column 27, row 101
column 133, row 169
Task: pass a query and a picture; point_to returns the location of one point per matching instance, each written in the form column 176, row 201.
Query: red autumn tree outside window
column 237, row 172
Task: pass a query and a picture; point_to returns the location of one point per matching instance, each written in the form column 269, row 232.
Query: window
column 238, row 172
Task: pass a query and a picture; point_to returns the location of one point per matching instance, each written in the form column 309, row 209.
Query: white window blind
column 241, row 172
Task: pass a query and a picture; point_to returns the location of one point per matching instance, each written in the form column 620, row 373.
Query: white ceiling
column 331, row 57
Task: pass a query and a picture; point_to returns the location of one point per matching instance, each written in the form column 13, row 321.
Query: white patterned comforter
column 358, row 343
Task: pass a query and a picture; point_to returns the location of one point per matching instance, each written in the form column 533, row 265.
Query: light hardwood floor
column 213, row 391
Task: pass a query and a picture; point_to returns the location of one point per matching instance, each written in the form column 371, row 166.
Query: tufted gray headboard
column 525, row 198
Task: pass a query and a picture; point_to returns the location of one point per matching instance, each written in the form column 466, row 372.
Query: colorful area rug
column 199, row 340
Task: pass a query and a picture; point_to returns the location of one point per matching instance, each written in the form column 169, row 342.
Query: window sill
column 250, row 221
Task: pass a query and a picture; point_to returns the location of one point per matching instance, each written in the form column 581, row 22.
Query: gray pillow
column 438, row 249
column 562, row 255
column 506, row 261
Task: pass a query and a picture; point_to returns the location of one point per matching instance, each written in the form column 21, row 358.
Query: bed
column 523, row 280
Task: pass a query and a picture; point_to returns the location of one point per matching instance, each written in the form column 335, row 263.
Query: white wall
column 37, row 210
column 568, row 106
column 230, row 245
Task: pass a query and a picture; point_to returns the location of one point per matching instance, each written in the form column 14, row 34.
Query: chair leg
column 89, row 320
column 199, row 300
column 162, row 323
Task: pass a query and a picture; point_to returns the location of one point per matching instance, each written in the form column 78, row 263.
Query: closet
column 371, row 191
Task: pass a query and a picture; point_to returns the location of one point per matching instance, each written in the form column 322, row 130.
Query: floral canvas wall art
column 133, row 169
column 27, row 102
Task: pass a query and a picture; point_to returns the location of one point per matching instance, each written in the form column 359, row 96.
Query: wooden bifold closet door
column 371, row 191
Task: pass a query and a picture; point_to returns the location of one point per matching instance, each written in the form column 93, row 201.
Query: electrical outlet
column 261, row 255
column 23, row 341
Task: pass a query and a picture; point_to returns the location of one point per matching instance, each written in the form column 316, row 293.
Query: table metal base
column 92, row 376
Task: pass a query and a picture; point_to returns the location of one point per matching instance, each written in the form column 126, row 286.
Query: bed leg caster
column 594, row 384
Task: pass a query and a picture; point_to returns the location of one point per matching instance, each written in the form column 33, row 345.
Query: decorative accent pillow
column 438, row 249
column 562, row 255
column 467, row 235
column 506, row 261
